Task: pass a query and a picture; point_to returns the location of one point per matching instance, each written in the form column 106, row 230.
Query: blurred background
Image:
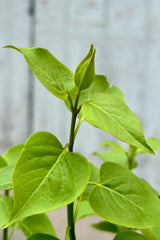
column 126, row 35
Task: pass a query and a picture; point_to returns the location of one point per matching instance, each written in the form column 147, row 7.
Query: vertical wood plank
column 50, row 112
column 151, row 164
column 14, row 27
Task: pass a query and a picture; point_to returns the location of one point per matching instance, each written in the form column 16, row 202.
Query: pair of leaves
column 54, row 75
column 46, row 177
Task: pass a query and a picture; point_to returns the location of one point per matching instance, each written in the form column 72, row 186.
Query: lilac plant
column 44, row 175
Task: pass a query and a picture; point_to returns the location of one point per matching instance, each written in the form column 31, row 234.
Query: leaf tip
column 13, row 47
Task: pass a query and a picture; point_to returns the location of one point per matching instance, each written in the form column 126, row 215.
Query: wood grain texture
column 14, row 26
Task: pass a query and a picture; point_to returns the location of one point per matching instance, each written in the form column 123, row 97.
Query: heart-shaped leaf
column 53, row 74
column 122, row 198
column 112, row 115
column 46, row 177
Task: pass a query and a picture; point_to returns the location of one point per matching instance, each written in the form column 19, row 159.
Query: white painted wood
column 14, row 26
column 49, row 112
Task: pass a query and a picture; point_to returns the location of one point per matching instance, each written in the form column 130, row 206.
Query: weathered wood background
column 126, row 35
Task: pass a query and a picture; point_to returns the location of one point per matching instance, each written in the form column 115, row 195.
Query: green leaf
column 5, row 177
column 84, row 210
column 156, row 231
column 39, row 223
column 13, row 153
column 111, row 156
column 53, row 74
column 108, row 227
column 112, row 115
column 94, row 176
column 151, row 233
column 99, row 85
column 41, row 236
column 122, row 198
column 10, row 156
column 85, row 71
column 117, row 153
column 82, row 204
column 6, row 204
column 46, row 177
column 113, row 145
column 3, row 162
column 112, row 90
column 154, row 143
column 129, row 235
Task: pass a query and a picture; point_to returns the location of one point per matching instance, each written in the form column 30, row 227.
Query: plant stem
column 132, row 153
column 5, row 230
column 70, row 207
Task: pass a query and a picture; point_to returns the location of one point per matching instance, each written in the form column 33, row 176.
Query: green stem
column 132, row 153
column 5, row 230
column 70, row 207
